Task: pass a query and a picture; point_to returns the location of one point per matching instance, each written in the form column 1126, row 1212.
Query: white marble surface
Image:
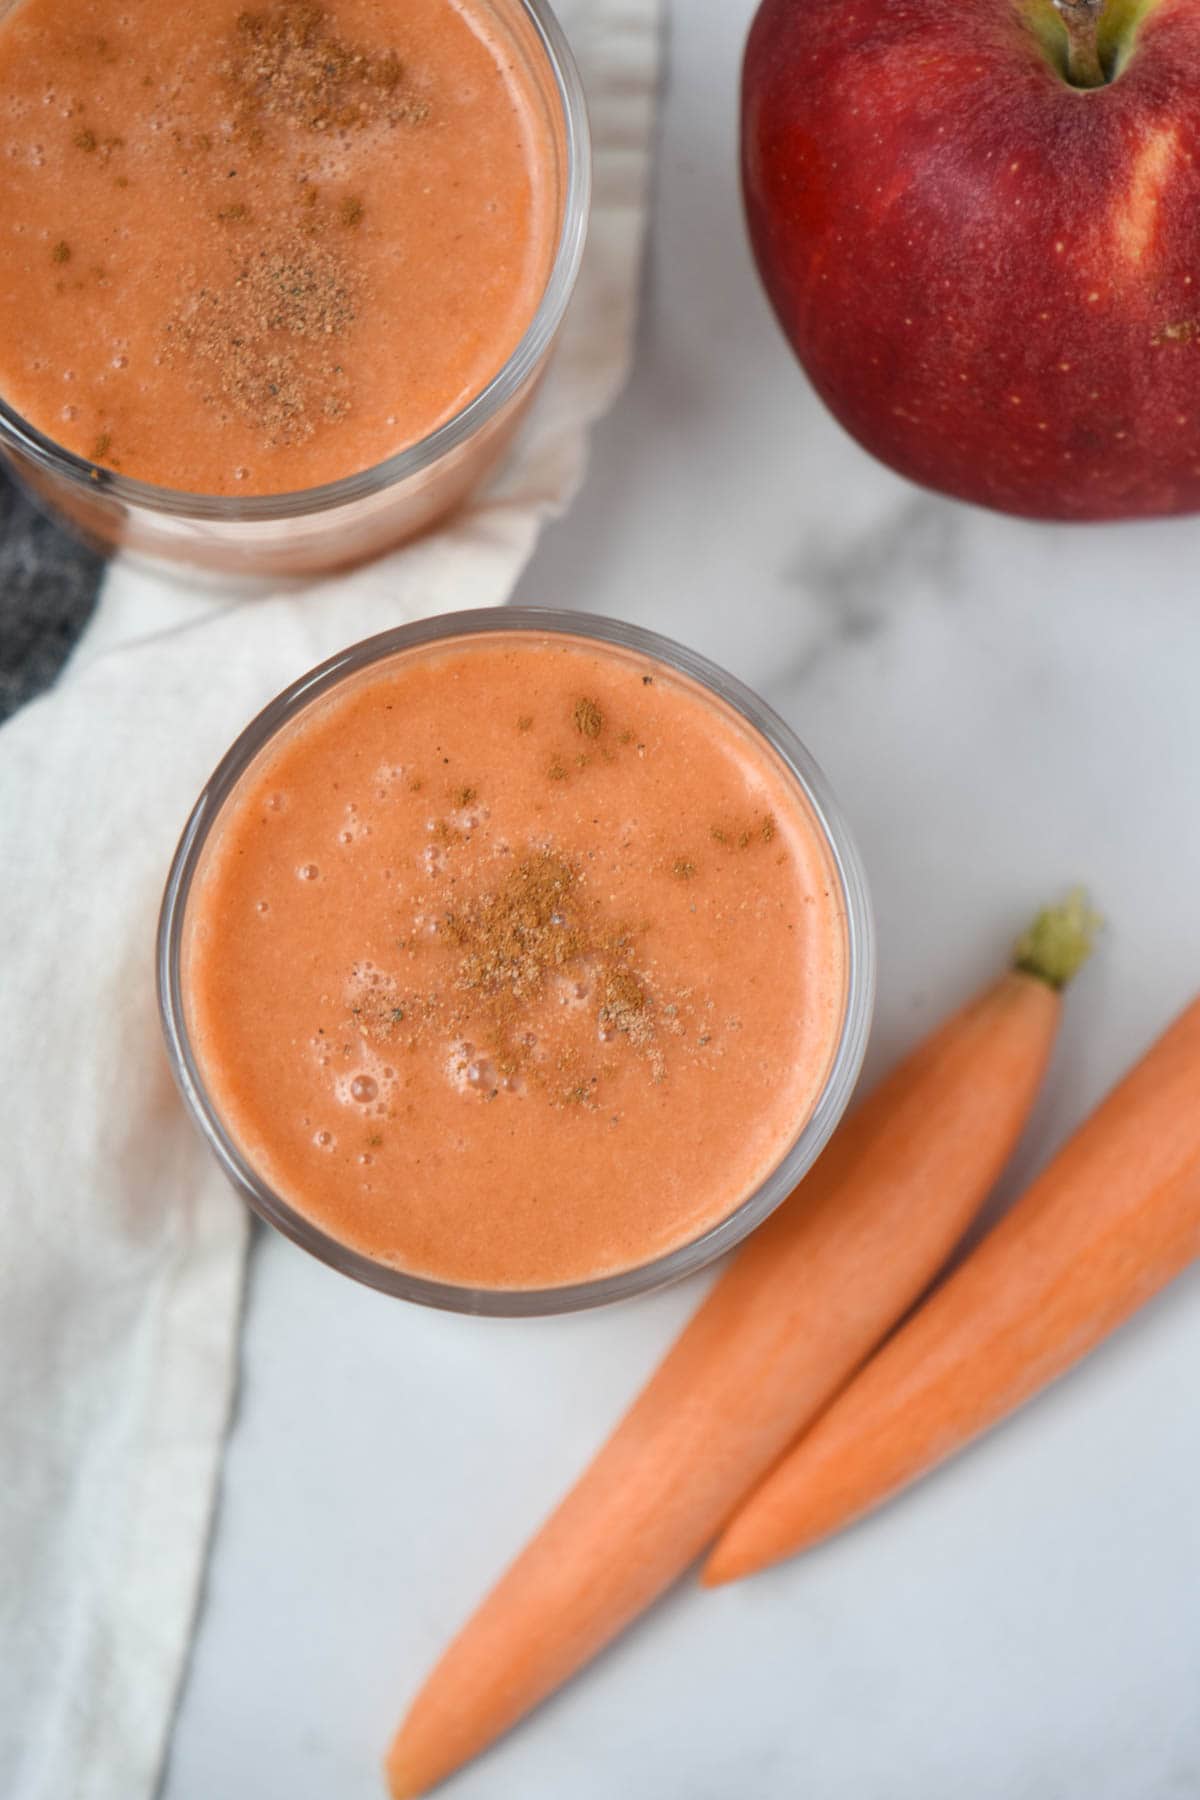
column 1004, row 709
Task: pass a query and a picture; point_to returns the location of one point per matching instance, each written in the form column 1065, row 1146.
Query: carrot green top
column 1059, row 941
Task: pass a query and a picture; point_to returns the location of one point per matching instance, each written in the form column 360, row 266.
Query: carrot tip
column 399, row 1784
column 1059, row 941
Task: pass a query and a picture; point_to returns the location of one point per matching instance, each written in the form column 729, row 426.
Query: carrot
column 796, row 1312
column 1110, row 1221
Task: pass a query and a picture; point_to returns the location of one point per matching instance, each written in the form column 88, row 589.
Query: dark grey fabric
column 48, row 588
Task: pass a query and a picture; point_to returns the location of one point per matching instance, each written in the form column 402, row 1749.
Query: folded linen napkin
column 121, row 1248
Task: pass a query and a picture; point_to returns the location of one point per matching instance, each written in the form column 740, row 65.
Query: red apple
column 990, row 270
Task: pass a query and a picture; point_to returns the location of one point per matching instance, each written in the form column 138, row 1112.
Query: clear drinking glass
column 812, row 1132
column 344, row 522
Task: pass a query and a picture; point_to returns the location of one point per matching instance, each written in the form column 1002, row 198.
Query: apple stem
column 1082, row 21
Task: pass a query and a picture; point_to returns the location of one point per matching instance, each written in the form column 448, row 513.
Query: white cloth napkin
column 121, row 1248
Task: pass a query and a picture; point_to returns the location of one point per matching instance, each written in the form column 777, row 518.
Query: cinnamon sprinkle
column 266, row 341
column 623, row 1005
column 589, row 720
column 288, row 65
column 760, row 831
column 264, row 338
column 537, row 927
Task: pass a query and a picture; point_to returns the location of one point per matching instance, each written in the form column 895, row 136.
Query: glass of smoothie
column 277, row 282
column 516, row 961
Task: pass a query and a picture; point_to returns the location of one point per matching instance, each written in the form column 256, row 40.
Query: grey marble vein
column 859, row 586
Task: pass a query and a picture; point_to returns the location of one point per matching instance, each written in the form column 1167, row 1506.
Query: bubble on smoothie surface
column 388, row 779
column 470, row 1070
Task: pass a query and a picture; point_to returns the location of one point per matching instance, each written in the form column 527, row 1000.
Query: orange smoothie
column 252, row 250
column 515, row 961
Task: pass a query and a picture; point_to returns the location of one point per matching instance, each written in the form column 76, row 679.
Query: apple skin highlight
column 991, row 276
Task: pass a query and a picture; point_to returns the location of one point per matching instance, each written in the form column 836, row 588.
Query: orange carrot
column 794, row 1315
column 1112, row 1219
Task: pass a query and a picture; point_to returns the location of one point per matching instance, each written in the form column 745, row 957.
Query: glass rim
column 415, row 459
column 660, row 1270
